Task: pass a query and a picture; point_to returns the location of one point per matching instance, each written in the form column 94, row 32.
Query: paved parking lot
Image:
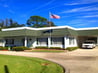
column 78, row 61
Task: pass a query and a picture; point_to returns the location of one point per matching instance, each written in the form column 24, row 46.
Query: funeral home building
column 59, row 36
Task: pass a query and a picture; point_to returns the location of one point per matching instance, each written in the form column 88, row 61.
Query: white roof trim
column 57, row 27
column 46, row 28
column 30, row 28
column 91, row 28
column 18, row 28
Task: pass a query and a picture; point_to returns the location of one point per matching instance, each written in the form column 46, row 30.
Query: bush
column 41, row 47
column 58, row 48
column 44, row 47
column 71, row 48
column 20, row 48
column 3, row 48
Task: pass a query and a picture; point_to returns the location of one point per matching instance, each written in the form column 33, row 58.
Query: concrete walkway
column 78, row 61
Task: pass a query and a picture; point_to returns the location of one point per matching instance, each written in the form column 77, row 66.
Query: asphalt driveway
column 78, row 61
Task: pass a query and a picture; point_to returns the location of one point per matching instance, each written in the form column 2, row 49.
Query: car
column 88, row 44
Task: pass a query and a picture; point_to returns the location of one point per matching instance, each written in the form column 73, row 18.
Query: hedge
column 41, row 47
column 58, row 48
column 20, row 48
column 3, row 48
column 71, row 48
column 44, row 47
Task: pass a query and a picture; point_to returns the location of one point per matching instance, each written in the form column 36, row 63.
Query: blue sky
column 75, row 13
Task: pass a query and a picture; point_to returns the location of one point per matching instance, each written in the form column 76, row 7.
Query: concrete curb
column 67, row 70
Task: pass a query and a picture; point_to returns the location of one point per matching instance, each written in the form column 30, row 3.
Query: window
column 42, row 41
column 1, row 40
column 9, row 41
column 57, row 41
column 71, row 40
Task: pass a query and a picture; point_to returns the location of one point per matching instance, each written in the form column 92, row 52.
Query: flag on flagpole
column 54, row 16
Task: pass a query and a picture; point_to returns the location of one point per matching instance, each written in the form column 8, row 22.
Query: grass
column 44, row 50
column 71, row 48
column 18, row 64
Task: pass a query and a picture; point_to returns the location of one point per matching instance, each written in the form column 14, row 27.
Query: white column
column 25, row 42
column 4, row 42
column 49, row 41
column 34, row 40
column 66, row 41
column 97, row 40
column 75, row 41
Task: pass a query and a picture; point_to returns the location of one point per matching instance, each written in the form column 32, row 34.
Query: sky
column 74, row 13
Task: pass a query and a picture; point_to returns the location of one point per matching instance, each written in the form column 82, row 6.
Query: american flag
column 54, row 16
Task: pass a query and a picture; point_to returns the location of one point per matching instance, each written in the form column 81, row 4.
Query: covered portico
column 32, row 42
column 19, row 41
column 82, row 39
column 87, row 34
column 32, row 37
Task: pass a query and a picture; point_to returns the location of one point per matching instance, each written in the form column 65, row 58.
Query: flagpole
column 50, row 26
column 50, row 21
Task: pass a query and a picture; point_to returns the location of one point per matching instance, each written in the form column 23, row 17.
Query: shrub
column 71, row 48
column 58, row 48
column 20, row 48
column 3, row 48
column 41, row 47
column 44, row 47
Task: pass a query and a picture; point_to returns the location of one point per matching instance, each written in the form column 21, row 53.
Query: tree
column 11, row 21
column 7, row 23
column 38, row 21
column 1, row 23
column 15, row 24
column 50, row 23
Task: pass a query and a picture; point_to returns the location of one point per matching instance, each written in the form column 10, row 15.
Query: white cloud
column 88, row 1
column 44, row 5
column 5, row 5
column 79, row 2
column 11, row 11
column 23, row 15
column 72, row 4
column 78, row 25
column 76, row 21
column 89, row 16
column 82, row 22
column 89, row 8
column 93, row 21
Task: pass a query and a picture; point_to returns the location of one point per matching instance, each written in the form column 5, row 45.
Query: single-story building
column 59, row 36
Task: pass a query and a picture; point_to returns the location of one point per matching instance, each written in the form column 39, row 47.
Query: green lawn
column 55, row 51
column 18, row 64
